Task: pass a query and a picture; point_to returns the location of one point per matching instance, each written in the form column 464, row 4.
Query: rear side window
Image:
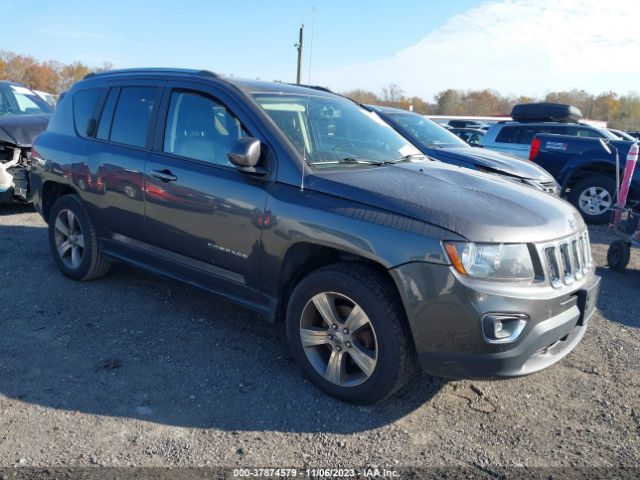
column 107, row 114
column 527, row 133
column 507, row 135
column 132, row 115
column 84, row 106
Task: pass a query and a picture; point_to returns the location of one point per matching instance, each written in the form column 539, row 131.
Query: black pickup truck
column 585, row 171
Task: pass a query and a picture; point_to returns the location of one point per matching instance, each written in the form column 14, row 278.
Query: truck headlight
column 491, row 261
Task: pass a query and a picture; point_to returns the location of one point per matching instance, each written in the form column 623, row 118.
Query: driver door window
column 200, row 128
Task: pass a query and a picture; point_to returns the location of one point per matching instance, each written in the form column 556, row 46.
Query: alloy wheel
column 338, row 339
column 69, row 239
column 595, row 200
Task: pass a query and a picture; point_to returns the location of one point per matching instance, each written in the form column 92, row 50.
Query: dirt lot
column 137, row 370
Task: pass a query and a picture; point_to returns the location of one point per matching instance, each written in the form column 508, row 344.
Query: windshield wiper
column 357, row 160
column 406, row 158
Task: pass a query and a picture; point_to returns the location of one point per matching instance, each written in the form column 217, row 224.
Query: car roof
column 467, row 129
column 384, row 109
column 9, row 82
column 248, row 86
column 517, row 124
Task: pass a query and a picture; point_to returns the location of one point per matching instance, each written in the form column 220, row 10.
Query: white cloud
column 514, row 46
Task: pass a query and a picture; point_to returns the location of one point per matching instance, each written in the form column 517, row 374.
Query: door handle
column 164, row 175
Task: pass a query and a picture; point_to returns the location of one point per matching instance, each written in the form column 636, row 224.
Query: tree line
column 49, row 76
column 619, row 111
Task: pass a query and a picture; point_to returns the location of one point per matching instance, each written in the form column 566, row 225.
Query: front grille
column 567, row 260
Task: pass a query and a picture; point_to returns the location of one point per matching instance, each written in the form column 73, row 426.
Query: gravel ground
column 136, row 370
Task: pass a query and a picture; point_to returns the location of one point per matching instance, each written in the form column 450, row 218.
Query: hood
column 496, row 161
column 480, row 207
column 21, row 130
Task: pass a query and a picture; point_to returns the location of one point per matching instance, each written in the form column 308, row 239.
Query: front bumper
column 445, row 319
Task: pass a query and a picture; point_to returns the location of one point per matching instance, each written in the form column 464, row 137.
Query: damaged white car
column 23, row 116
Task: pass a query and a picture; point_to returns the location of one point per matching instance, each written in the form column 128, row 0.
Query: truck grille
column 567, row 260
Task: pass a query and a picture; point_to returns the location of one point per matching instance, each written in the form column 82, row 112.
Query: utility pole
column 299, row 46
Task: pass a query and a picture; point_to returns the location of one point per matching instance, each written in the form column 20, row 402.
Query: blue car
column 439, row 143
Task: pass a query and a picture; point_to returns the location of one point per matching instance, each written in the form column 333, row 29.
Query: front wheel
column 618, row 255
column 346, row 330
column 593, row 197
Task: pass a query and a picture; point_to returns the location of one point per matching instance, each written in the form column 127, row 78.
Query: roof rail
column 178, row 71
column 313, row 87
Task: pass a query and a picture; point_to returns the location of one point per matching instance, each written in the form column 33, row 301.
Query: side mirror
column 245, row 153
column 605, row 145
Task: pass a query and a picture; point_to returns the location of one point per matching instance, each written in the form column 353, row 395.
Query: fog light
column 503, row 327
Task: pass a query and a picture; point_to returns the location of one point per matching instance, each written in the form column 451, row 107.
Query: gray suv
column 514, row 138
column 306, row 208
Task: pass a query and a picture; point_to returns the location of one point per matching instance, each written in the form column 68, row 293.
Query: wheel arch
column 578, row 172
column 51, row 191
column 304, row 258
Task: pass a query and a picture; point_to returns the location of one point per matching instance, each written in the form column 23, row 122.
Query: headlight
column 491, row 261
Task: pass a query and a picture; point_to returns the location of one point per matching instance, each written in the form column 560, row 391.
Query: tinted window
column 201, row 128
column 132, row 115
column 84, row 104
column 507, row 135
column 526, row 134
column 425, row 130
column 107, row 114
column 19, row 100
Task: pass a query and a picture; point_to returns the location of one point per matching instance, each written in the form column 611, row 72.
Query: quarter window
column 200, row 128
column 132, row 115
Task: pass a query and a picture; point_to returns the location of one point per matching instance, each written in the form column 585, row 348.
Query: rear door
column 111, row 175
column 201, row 211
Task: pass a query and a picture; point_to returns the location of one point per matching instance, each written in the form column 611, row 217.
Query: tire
column 591, row 189
column 375, row 359
column 618, row 255
column 73, row 240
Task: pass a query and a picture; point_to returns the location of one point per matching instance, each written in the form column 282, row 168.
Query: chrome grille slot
column 567, row 260
column 567, row 266
column 575, row 253
column 554, row 265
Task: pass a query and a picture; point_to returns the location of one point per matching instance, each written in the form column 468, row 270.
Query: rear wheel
column 593, row 197
column 346, row 330
column 618, row 255
column 73, row 240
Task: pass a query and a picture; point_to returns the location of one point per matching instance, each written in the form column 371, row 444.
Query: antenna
column 299, row 46
column 306, row 110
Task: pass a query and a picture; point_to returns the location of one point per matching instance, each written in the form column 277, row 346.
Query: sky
column 527, row 47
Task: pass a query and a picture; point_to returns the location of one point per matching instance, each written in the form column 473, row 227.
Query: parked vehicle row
column 440, row 144
column 514, row 138
column 23, row 115
column 586, row 170
column 310, row 209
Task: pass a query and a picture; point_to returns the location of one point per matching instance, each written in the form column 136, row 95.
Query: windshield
column 19, row 100
column 329, row 130
column 427, row 131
